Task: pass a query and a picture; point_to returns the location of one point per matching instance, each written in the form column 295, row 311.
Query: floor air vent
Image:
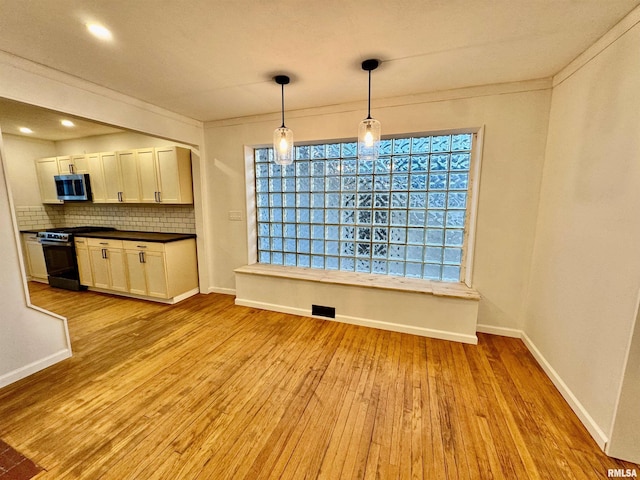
column 321, row 311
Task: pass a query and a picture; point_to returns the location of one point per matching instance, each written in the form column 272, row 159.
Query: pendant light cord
column 369, row 100
column 282, row 106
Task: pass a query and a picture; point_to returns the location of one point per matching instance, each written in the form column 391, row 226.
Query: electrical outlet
column 235, row 215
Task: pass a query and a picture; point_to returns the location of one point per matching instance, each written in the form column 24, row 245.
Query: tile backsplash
column 145, row 218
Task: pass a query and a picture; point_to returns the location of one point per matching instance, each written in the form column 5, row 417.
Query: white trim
column 500, row 331
column 577, row 407
column 390, row 102
column 251, row 205
column 33, row 367
column 366, row 280
column 167, row 301
column 620, row 29
column 472, row 216
column 223, row 291
column 364, row 322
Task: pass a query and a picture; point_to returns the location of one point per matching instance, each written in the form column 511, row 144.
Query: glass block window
column 403, row 215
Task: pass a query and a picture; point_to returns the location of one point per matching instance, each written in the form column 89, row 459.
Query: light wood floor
column 208, row 390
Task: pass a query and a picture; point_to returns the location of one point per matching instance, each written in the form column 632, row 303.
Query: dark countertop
column 138, row 236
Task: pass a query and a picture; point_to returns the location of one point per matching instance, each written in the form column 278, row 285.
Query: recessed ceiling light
column 26, row 130
column 99, row 31
column 67, row 123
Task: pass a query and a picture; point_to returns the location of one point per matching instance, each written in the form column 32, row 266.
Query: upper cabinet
column 73, row 164
column 46, row 168
column 145, row 175
column 165, row 175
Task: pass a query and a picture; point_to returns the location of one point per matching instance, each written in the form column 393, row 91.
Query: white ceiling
column 46, row 123
column 214, row 59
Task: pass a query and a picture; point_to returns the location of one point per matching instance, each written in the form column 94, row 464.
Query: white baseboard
column 365, row 322
column 185, row 295
column 577, row 407
column 167, row 301
column 33, row 367
column 224, row 291
column 501, row 331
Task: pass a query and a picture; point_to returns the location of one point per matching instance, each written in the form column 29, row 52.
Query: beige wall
column 21, row 171
column 586, row 266
column 515, row 117
column 29, row 339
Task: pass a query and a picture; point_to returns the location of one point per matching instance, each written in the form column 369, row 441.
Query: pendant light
column 283, row 136
column 369, row 129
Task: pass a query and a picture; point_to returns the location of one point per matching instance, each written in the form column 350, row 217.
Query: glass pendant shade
column 368, row 139
column 369, row 128
column 283, row 146
column 282, row 136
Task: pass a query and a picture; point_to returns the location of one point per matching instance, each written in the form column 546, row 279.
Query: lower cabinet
column 84, row 261
column 107, row 264
column 35, row 266
column 149, row 269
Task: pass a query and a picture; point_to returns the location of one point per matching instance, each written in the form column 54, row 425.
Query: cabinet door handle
column 141, row 246
column 104, row 253
column 119, row 196
column 104, row 243
column 141, row 256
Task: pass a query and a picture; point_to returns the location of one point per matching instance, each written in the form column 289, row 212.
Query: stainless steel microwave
column 74, row 187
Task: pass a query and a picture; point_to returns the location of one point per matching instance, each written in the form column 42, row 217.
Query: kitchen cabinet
column 164, row 271
column 165, row 175
column 73, row 164
column 84, row 261
column 96, row 177
column 46, row 168
column 146, row 268
column 173, row 175
column 107, row 264
column 112, row 177
column 117, row 179
column 130, row 178
column 144, row 175
column 35, row 265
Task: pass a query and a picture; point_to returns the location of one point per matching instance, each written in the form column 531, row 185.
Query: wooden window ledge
column 440, row 289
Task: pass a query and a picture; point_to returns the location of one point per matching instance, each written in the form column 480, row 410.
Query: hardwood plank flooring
column 208, row 390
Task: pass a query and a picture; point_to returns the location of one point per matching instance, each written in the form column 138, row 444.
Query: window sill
column 440, row 289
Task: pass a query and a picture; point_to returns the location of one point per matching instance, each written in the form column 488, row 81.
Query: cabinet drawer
column 104, row 242
column 81, row 241
column 144, row 246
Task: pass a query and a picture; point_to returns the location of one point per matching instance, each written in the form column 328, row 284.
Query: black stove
column 60, row 255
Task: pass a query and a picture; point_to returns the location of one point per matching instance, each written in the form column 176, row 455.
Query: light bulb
column 283, row 144
column 368, row 138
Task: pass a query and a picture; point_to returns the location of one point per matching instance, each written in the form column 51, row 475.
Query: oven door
column 60, row 258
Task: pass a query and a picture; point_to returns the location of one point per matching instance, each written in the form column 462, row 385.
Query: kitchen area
column 101, row 208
